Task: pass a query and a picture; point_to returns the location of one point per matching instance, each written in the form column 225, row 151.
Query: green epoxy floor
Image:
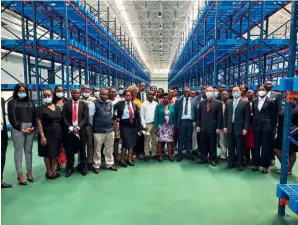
column 148, row 194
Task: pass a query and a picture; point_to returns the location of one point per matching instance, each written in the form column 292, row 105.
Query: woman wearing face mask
column 22, row 117
column 49, row 133
column 278, row 141
column 59, row 99
column 244, row 89
column 265, row 116
column 249, row 144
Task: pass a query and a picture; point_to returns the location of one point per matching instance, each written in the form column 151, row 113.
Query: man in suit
column 276, row 97
column 142, row 94
column 4, row 143
column 236, row 121
column 75, row 116
column 209, row 123
column 185, row 109
column 223, row 138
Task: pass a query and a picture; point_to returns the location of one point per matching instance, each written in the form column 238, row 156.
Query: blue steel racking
column 76, row 39
column 222, row 49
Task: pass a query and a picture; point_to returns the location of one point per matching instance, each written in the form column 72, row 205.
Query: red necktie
column 74, row 112
column 130, row 113
column 208, row 105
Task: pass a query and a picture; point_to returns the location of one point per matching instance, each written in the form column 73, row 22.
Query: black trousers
column 262, row 152
column 4, row 144
column 272, row 156
column 235, row 145
column 199, row 141
column 139, row 149
column 75, row 145
column 208, row 146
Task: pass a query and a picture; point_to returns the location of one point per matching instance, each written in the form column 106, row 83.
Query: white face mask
column 96, row 94
column 216, row 94
column 209, row 95
column 59, row 94
column 261, row 93
column 47, row 100
column 86, row 94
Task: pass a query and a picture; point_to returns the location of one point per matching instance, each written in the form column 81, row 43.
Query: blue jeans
column 185, row 136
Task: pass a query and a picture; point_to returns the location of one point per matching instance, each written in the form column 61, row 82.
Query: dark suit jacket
column 120, row 109
column 242, row 116
column 212, row 120
column 4, row 135
column 139, row 95
column 179, row 109
column 83, row 116
column 276, row 97
column 265, row 119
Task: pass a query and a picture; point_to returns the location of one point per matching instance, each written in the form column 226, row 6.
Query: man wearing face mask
column 101, row 119
column 96, row 92
column 223, row 138
column 120, row 95
column 235, row 123
column 87, row 98
column 209, row 123
column 216, row 94
column 75, row 117
column 276, row 97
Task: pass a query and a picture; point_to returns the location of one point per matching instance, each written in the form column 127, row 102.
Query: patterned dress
column 166, row 131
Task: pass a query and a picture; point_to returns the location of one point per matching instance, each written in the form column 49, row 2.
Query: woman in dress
column 278, row 141
column 129, row 119
column 22, row 117
column 164, row 124
column 59, row 99
column 249, row 137
column 244, row 90
column 49, row 133
column 159, row 95
column 115, row 100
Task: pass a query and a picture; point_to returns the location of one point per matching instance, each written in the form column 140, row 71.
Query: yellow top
column 138, row 102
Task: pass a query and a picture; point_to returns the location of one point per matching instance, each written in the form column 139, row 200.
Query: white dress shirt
column 1, row 118
column 75, row 123
column 188, row 115
column 126, row 111
column 261, row 103
column 143, row 96
column 268, row 94
column 147, row 112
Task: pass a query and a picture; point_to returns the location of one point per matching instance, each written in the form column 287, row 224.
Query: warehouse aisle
column 150, row 193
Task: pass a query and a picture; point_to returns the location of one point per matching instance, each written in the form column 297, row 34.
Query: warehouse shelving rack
column 78, row 46
column 222, row 48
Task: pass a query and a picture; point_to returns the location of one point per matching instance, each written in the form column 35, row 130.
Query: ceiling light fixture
column 159, row 15
column 160, row 35
column 160, row 27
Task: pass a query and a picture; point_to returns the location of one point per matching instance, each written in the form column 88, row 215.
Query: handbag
column 62, row 157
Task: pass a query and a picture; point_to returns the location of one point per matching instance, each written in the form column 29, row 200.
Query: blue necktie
column 234, row 108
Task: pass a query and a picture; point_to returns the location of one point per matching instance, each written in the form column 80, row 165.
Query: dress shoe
column 69, row 172
column 190, row 156
column 130, row 163
column 83, row 171
column 255, row 169
column 179, row 158
column 147, row 158
column 96, row 170
column 201, row 161
column 123, row 164
column 89, row 166
column 57, row 175
column 5, row 185
column 213, row 163
column 171, row 158
column 113, row 168
column 240, row 168
column 230, row 166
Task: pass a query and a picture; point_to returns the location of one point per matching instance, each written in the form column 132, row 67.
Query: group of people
column 247, row 127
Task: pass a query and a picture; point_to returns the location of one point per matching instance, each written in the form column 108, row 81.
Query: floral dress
column 166, row 130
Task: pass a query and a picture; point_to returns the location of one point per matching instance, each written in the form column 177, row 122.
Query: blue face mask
column 120, row 92
column 60, row 95
column 22, row 95
column 236, row 94
column 47, row 100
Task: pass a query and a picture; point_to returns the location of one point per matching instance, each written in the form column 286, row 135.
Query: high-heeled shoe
column 130, row 163
column 21, row 183
column 171, row 159
column 50, row 177
column 30, row 179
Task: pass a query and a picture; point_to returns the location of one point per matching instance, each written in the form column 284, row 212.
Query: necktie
column 74, row 112
column 234, row 108
column 251, row 113
column 186, row 107
column 142, row 97
column 130, row 113
column 208, row 105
